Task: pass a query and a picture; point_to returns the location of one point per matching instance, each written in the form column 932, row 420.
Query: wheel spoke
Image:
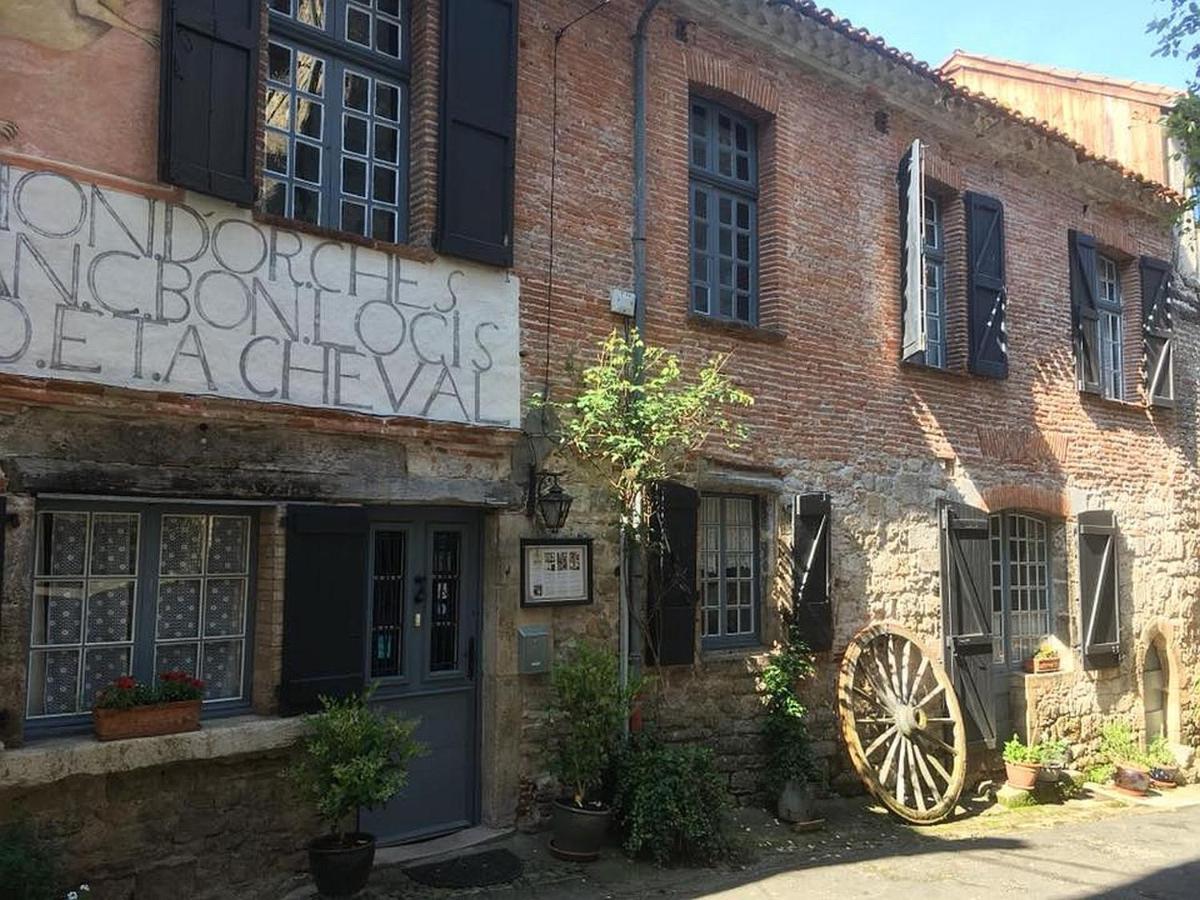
column 901, row 784
column 886, row 701
column 924, row 769
column 937, row 742
column 918, row 790
column 905, row 662
column 916, row 684
column 888, row 760
column 936, row 692
column 895, row 667
column 884, row 692
column 941, row 770
column 878, row 742
column 874, row 700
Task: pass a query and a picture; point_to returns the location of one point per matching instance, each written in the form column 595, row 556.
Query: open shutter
column 479, row 110
column 986, row 295
column 209, row 89
column 1101, row 614
column 967, row 605
column 671, row 578
column 812, row 609
column 324, row 607
column 1084, row 315
column 912, row 266
column 1157, row 331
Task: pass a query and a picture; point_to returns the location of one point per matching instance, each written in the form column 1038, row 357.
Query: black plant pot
column 341, row 869
column 579, row 833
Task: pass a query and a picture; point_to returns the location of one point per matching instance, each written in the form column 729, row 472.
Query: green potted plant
column 1022, row 763
column 129, row 708
column 588, row 710
column 1045, row 660
column 1119, row 747
column 354, row 757
column 1053, row 755
column 1164, row 769
column 789, row 767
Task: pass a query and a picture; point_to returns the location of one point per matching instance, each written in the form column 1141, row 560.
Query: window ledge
column 755, row 652
column 1114, row 403
column 739, row 329
column 53, row 759
column 407, row 250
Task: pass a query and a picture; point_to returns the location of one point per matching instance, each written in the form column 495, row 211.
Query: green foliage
column 1176, row 30
column 671, row 803
column 1100, row 774
column 1118, row 745
column 1159, row 753
column 1046, row 651
column 1052, row 752
column 639, row 419
column 1017, row 751
column 1182, row 124
column 127, row 692
column 588, row 711
column 789, row 756
column 354, row 757
column 29, row 868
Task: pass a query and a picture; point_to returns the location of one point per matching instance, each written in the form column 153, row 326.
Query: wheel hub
column 911, row 720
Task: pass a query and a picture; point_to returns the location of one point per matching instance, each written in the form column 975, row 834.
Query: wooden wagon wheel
column 902, row 723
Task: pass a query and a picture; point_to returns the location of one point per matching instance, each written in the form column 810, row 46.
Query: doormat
column 476, row 870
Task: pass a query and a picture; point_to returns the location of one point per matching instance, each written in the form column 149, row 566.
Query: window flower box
column 129, row 709
column 1042, row 665
column 146, row 721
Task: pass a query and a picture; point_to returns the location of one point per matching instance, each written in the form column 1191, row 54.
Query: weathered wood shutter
column 1157, row 334
column 324, row 607
column 671, row 575
column 1084, row 315
column 208, row 97
column 986, row 295
column 478, row 117
column 967, row 605
column 912, row 260
column 1101, row 614
column 812, row 607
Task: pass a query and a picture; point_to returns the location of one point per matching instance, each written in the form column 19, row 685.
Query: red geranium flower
column 126, row 683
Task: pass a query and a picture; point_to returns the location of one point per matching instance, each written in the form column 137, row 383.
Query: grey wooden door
column 422, row 640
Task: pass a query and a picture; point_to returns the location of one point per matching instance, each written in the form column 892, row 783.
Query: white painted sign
column 106, row 286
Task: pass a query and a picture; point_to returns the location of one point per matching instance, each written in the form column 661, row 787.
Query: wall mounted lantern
column 546, row 497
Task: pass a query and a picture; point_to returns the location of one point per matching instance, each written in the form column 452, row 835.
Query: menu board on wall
column 556, row 571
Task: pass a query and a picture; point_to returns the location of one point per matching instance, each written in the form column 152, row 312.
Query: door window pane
column 444, row 618
column 387, row 604
column 727, row 567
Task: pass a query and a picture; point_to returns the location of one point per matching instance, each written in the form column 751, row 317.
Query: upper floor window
column 723, row 190
column 1108, row 304
column 336, row 115
column 127, row 590
column 728, row 569
column 934, row 253
column 1020, row 586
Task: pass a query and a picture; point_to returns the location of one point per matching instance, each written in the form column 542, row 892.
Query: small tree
column 354, row 757
column 1176, row 30
column 789, row 754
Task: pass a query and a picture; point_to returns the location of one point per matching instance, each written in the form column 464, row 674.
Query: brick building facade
column 371, row 433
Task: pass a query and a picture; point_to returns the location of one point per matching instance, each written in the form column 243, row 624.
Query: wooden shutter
column 208, row 97
column 325, row 605
column 1157, row 334
column 986, row 295
column 671, row 575
column 1101, row 614
column 912, row 260
column 479, row 106
column 812, row 607
column 1084, row 315
column 967, row 607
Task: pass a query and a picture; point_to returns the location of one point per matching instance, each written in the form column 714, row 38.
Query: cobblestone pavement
column 1086, row 848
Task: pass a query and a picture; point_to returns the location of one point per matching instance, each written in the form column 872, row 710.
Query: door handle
column 471, row 659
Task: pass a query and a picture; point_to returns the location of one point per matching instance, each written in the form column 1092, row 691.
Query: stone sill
column 743, row 330
column 754, row 652
column 56, row 758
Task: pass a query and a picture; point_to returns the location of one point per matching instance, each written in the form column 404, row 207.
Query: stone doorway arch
column 1158, row 670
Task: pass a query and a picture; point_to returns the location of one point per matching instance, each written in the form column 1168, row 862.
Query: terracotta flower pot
column 1132, row 778
column 1022, row 775
column 1040, row 666
column 146, row 721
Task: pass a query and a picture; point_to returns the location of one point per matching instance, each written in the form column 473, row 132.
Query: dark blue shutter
column 209, row 93
column 812, row 608
column 1157, row 328
column 325, row 605
column 986, row 296
column 671, row 575
column 1084, row 315
column 478, row 125
column 967, row 606
column 1100, row 610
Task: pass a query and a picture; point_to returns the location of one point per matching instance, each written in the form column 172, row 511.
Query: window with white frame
column 336, row 115
column 934, row 254
column 137, row 590
column 1020, row 586
column 728, row 549
column 1108, row 305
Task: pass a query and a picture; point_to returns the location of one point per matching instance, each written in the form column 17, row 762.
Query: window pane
column 110, row 612
column 388, row 604
column 177, row 658
column 63, row 543
column 101, row 667
column 221, row 669
column 384, row 187
column 383, row 224
column 227, row 548
column 224, row 607
column 306, row 205
column 310, row 74
column 278, row 112
column 179, row 608
column 276, row 153
column 358, row 26
column 275, row 197
column 354, row 135
column 354, row 217
column 444, row 614
column 387, row 37
column 354, row 178
column 53, row 682
column 312, row 12
column 355, row 96
column 58, row 613
column 308, row 117
column 387, row 145
column 387, row 101
column 182, row 545
column 308, row 162
column 279, row 63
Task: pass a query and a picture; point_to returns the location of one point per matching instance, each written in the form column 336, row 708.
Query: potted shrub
column 1120, row 749
column 1164, row 770
column 789, row 770
column 1053, row 755
column 1022, row 763
column 354, row 757
column 1045, row 660
column 129, row 708
column 588, row 710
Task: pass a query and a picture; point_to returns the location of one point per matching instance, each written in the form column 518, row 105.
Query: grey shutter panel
column 1101, row 613
column 478, row 125
column 912, row 260
column 1157, row 334
column 986, row 295
column 812, row 608
column 208, row 96
column 325, row 605
column 671, row 575
column 967, row 605
column 1084, row 315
